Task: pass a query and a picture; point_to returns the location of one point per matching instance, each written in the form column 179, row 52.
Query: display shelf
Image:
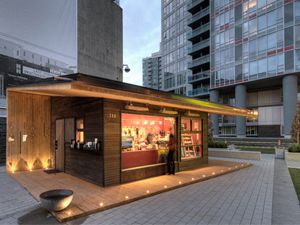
column 187, row 146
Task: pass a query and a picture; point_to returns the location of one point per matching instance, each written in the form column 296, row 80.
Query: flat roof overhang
column 83, row 88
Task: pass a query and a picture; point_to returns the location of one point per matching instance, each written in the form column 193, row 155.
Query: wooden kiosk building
column 104, row 131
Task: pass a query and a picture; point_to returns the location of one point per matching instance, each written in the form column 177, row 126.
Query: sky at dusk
column 142, row 28
column 48, row 27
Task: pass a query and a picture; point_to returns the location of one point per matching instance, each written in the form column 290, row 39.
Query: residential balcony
column 197, row 16
column 196, row 47
column 199, row 61
column 192, row 3
column 199, row 92
column 199, row 76
column 203, row 28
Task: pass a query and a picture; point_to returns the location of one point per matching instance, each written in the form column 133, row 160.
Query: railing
column 193, row 3
column 198, row 46
column 199, row 91
column 199, row 76
column 199, row 61
column 198, row 15
column 199, row 30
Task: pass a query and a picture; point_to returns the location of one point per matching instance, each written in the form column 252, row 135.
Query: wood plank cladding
column 86, row 165
column 28, row 131
column 142, row 173
column 112, row 141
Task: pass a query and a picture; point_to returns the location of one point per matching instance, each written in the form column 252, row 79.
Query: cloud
column 141, row 33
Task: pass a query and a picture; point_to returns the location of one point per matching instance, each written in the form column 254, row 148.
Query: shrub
column 294, row 148
column 217, row 144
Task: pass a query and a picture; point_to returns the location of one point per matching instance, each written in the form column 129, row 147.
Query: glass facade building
column 152, row 76
column 174, row 46
column 255, row 61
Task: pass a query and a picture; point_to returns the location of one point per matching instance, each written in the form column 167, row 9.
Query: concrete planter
column 56, row 200
column 225, row 153
column 292, row 156
column 279, row 152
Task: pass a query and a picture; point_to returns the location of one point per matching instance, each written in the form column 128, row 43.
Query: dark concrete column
column 240, row 101
column 214, row 97
column 289, row 89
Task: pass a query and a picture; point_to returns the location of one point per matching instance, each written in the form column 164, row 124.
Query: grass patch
column 295, row 175
column 258, row 149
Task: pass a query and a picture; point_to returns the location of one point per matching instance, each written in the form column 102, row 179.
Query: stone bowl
column 56, row 200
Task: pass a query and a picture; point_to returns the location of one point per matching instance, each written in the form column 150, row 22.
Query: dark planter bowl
column 56, row 200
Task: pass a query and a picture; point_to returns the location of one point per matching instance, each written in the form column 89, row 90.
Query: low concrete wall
column 292, row 156
column 224, row 153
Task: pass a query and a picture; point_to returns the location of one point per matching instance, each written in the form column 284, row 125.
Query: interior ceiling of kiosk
column 79, row 89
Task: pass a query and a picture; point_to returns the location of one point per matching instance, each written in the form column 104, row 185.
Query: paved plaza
column 242, row 197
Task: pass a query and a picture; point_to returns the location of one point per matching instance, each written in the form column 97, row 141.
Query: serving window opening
column 191, row 138
column 145, row 139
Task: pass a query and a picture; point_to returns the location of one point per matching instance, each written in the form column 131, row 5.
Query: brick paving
column 242, row 197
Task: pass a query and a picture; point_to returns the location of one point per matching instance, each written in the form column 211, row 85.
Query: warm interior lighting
column 213, row 173
column 229, row 168
column 126, row 197
column 179, row 182
column 203, row 175
column 236, row 167
column 168, row 111
column 222, row 171
column 69, row 213
column 165, row 186
column 147, row 191
column 101, row 204
column 193, row 178
column 137, row 108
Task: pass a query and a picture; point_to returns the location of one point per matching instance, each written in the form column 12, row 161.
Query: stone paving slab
column 90, row 198
column 227, row 199
column 286, row 208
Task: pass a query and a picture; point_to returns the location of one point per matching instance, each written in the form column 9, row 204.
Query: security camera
column 127, row 69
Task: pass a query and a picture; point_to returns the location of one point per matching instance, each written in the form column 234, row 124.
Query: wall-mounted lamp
column 11, row 139
column 137, row 108
column 168, row 111
column 24, row 137
column 189, row 113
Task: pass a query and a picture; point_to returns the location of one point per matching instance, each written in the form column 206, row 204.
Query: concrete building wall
column 100, row 38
